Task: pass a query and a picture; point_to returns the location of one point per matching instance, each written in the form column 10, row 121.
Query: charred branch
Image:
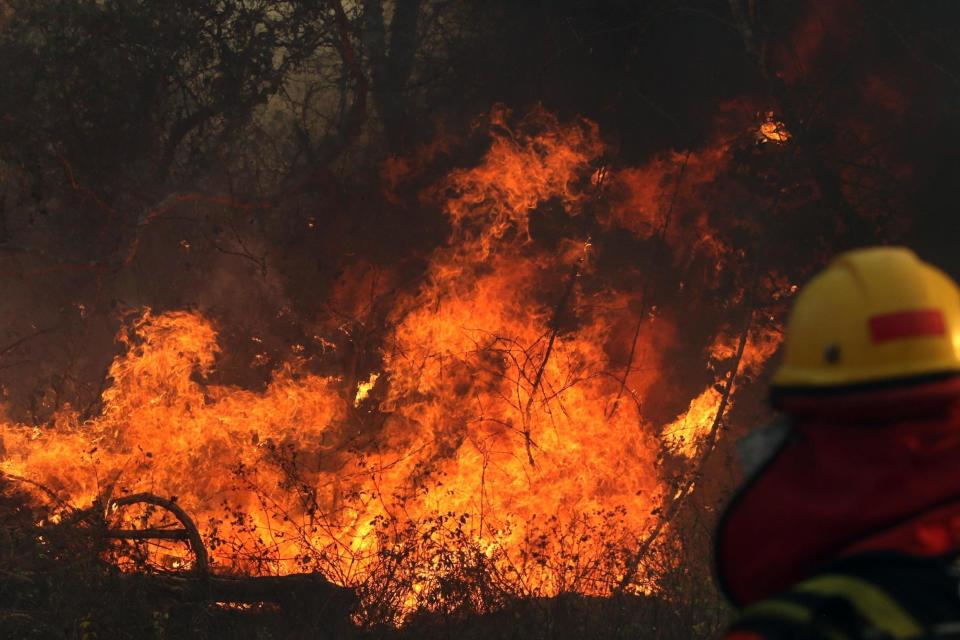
column 148, row 534
column 188, row 533
column 556, row 323
column 683, row 489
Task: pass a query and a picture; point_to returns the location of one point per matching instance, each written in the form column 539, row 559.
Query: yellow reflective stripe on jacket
column 871, row 601
column 787, row 612
column 877, row 608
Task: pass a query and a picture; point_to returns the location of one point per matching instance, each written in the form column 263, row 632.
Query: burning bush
column 501, row 449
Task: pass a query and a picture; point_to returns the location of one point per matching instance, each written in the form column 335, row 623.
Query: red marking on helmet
column 907, row 324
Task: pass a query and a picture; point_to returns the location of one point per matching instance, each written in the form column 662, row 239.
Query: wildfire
column 492, row 432
column 685, row 433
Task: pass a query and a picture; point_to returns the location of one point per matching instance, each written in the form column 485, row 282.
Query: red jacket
column 864, row 471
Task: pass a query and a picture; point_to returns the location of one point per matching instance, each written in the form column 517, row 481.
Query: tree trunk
column 391, row 70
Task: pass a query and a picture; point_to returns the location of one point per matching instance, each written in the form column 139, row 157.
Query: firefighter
column 848, row 525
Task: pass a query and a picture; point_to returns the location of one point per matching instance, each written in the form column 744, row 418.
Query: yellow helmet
column 874, row 315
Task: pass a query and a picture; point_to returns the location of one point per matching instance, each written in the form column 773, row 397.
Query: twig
column 20, row 341
column 645, row 294
column 689, row 482
column 555, row 324
column 42, row 487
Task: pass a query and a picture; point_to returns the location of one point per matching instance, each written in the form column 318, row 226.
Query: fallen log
column 299, row 588
column 302, row 601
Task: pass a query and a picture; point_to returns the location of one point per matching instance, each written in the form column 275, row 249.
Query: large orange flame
column 497, row 424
